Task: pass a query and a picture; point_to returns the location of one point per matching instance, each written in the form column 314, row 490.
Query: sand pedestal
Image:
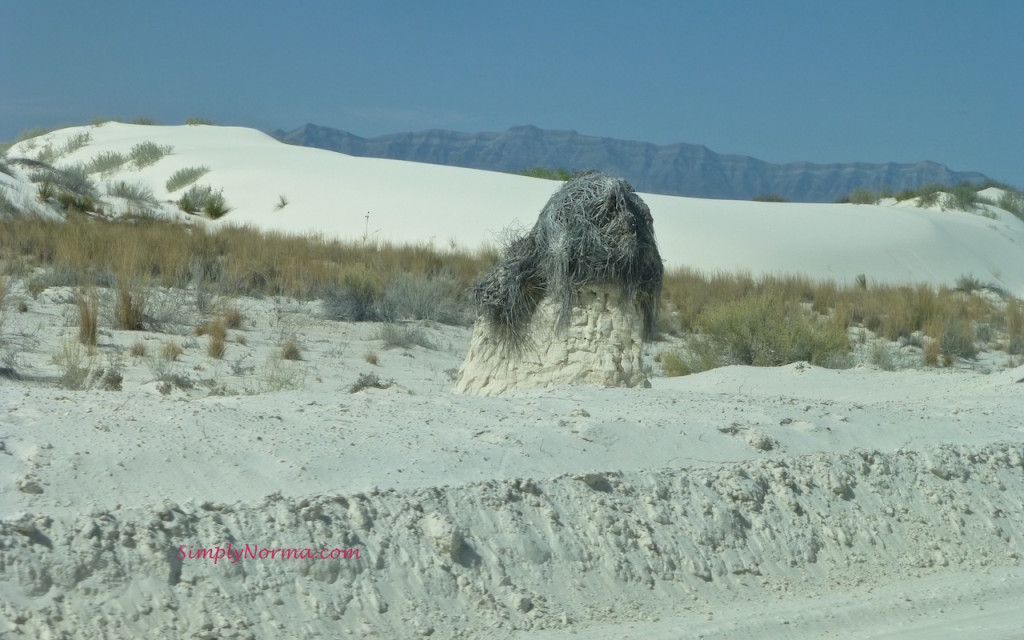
column 602, row 346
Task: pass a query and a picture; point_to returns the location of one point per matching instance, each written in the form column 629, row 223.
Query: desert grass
column 145, row 154
column 170, row 350
column 184, row 177
column 138, row 349
column 775, row 319
column 403, row 336
column 129, row 307
column 202, row 198
column 233, row 317
column 381, row 282
column 107, row 162
column 217, row 331
column 74, row 364
column 290, row 350
column 371, row 358
column 87, row 302
column 137, row 194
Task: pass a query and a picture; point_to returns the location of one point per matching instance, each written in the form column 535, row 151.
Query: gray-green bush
column 148, row 153
column 107, row 162
column 184, row 177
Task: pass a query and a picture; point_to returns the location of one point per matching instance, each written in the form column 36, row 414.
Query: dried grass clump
column 171, row 351
column 234, row 318
column 88, row 317
column 130, row 306
column 595, row 229
column 290, row 350
column 218, row 332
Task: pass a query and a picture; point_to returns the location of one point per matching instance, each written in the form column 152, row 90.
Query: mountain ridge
column 675, row 169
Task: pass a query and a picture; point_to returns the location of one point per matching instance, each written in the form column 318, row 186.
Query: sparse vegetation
column 233, row 317
column 130, row 305
column 184, row 177
column 217, row 331
column 863, row 196
column 722, row 318
column 107, row 162
column 548, row 173
column 404, row 336
column 137, row 195
column 146, row 154
column 88, row 317
column 138, row 349
column 73, row 363
column 170, row 350
column 290, row 350
column 204, row 198
column 957, row 197
column 770, row 197
column 369, row 381
column 197, row 121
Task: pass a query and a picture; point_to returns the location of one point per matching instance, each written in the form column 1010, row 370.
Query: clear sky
column 815, row 80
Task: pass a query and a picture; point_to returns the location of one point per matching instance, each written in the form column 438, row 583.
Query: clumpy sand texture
column 601, row 346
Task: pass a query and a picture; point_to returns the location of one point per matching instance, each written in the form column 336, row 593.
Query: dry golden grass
column 290, row 350
column 88, row 317
column 128, row 309
column 138, row 349
column 171, row 350
column 371, row 358
column 218, row 332
column 241, row 260
column 233, row 318
column 244, row 261
column 945, row 315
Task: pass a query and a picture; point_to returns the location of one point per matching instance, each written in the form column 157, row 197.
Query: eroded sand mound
column 601, row 345
column 499, row 556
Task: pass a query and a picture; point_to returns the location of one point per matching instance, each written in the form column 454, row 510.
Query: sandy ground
column 794, row 502
column 742, row 502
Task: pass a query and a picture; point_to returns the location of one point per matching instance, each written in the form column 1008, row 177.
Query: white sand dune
column 331, row 194
column 794, row 502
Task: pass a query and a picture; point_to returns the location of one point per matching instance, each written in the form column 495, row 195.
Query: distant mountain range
column 675, row 169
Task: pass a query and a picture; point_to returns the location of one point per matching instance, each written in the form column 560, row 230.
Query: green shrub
column 928, row 195
column 204, row 198
column 356, row 299
column 403, row 336
column 1012, row 201
column 184, row 177
column 147, row 153
column 440, row 298
column 958, row 339
column 74, row 179
column 766, row 330
column 216, row 206
column 107, row 162
column 547, row 173
column 698, row 355
column 962, row 197
column 76, row 142
column 137, row 194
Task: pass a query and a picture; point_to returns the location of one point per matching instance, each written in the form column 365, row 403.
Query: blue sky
column 821, row 81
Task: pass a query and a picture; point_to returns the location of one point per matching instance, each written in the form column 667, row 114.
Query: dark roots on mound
column 594, row 230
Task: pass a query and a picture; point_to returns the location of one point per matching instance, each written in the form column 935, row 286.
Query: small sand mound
column 571, row 300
